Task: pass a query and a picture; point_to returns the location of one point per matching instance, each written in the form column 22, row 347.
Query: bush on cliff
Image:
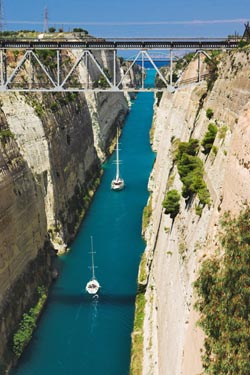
column 209, row 113
column 190, row 168
column 171, row 203
column 223, row 289
column 6, row 134
column 209, row 138
column 28, row 324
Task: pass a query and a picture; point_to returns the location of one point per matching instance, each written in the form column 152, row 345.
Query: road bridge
column 32, row 65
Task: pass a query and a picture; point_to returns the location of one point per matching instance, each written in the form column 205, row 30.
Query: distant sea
column 159, row 63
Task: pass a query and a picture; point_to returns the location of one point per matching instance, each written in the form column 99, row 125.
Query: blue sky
column 157, row 18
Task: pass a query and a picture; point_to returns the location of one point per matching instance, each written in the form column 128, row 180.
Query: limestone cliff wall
column 175, row 250
column 51, row 148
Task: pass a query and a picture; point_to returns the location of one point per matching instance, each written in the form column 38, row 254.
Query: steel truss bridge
column 40, row 65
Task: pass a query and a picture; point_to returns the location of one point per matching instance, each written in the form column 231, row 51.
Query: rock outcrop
column 51, row 149
column 176, row 249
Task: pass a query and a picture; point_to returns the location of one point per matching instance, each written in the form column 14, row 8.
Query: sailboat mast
column 92, row 254
column 117, row 156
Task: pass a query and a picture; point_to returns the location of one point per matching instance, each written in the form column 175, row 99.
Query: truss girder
column 55, row 80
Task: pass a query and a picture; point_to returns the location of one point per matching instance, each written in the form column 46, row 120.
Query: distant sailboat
column 117, row 183
column 92, row 286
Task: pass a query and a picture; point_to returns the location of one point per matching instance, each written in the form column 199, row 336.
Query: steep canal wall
column 169, row 339
column 51, row 149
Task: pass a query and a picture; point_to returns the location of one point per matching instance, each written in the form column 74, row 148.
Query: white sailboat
column 92, row 286
column 117, row 183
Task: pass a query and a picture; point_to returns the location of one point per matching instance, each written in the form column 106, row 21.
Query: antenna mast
column 45, row 20
column 1, row 15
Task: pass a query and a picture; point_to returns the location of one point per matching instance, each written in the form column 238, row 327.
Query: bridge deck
column 121, row 44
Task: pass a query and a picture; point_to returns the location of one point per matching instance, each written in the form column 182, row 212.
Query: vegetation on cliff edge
column 223, row 289
column 28, row 324
column 190, row 168
column 137, row 336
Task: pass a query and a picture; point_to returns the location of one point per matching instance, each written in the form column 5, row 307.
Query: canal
column 78, row 335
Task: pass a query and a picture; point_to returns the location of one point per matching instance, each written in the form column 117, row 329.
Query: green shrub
column 53, row 107
column 190, row 168
column 209, row 113
column 198, row 209
column 158, row 96
column 214, row 150
column 209, row 138
column 6, row 134
column 147, row 212
column 188, row 57
column 222, row 132
column 102, row 82
column 190, row 148
column 223, row 290
column 243, row 43
column 79, row 30
column 48, row 57
column 28, row 323
column 171, row 203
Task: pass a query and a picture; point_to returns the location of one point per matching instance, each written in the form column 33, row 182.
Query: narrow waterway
column 78, row 335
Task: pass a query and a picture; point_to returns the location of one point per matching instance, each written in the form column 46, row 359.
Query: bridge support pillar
column 143, row 70
column 114, row 68
column 31, row 71
column 86, row 62
column 199, row 65
column 3, row 74
column 171, row 68
column 58, row 56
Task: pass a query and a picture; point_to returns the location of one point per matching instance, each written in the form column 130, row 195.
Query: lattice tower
column 1, row 15
column 45, row 20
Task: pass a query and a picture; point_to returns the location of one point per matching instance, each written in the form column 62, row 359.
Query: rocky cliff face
column 51, row 148
column 176, row 249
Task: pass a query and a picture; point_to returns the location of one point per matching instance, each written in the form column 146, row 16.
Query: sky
column 128, row 18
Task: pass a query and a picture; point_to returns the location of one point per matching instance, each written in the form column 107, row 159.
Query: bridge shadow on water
column 85, row 298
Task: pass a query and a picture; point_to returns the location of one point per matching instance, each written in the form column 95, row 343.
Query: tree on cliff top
column 223, row 289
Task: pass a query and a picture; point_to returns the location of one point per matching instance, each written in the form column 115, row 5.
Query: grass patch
column 147, row 212
column 143, row 269
column 137, row 336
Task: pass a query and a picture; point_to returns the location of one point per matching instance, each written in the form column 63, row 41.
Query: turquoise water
column 78, row 335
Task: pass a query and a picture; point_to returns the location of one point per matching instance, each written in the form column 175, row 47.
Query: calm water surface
column 77, row 335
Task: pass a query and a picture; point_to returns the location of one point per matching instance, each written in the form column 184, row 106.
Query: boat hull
column 117, row 184
column 92, row 286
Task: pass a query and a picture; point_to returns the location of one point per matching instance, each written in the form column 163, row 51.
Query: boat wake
column 95, row 300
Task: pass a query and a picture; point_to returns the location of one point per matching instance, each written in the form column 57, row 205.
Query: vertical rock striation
column 51, row 149
column 176, row 249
